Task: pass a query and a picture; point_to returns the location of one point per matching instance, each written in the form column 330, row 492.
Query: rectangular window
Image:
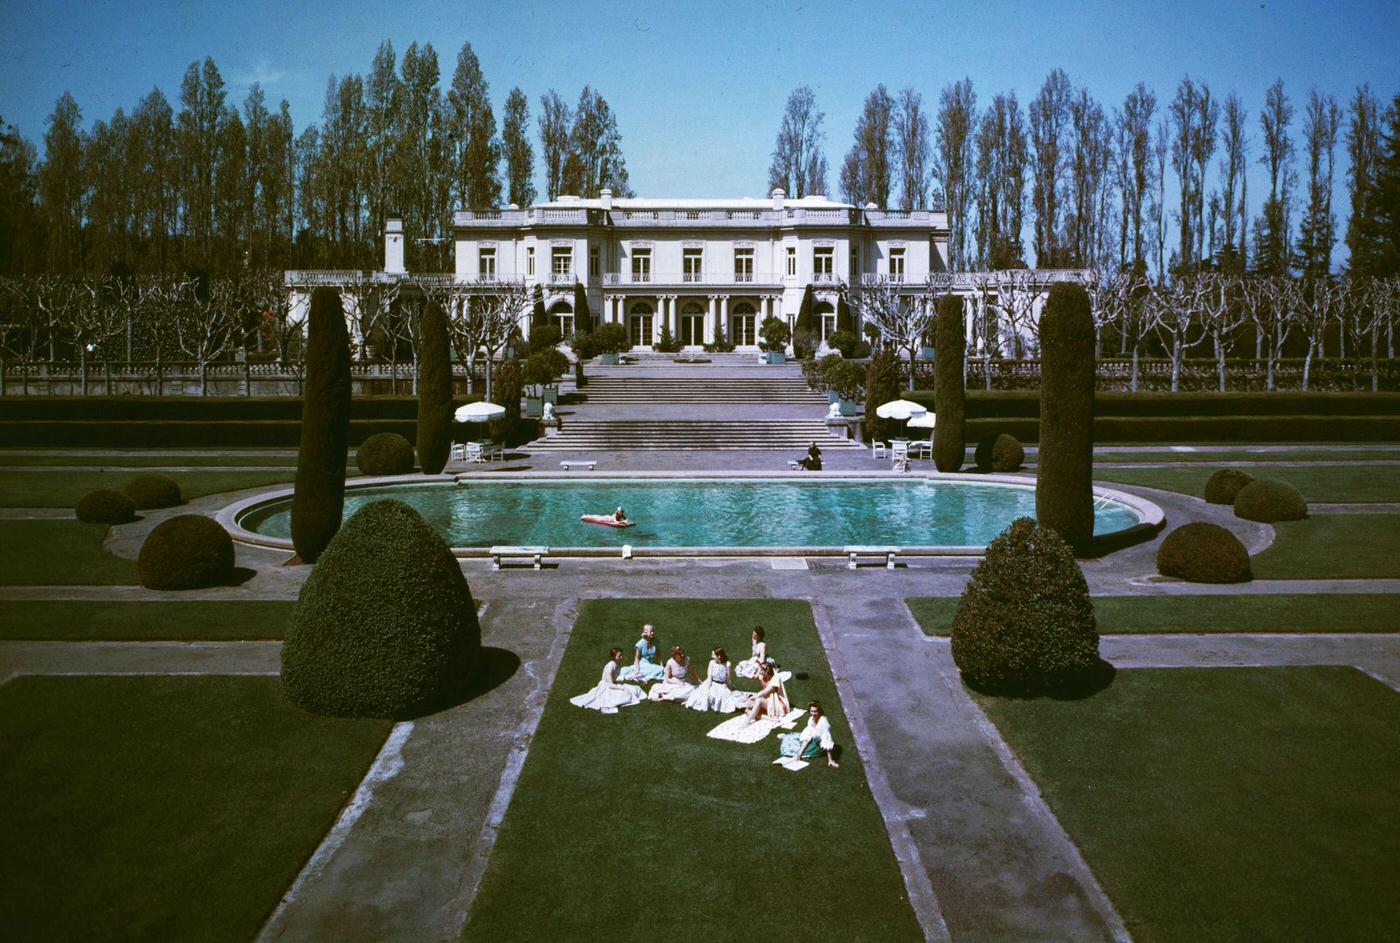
column 486, row 263
column 530, row 261
column 855, row 263
column 562, row 264
column 792, row 261
column 823, row 264
column 595, row 261
column 641, row 265
column 692, row 263
column 743, row 264
column 896, row 265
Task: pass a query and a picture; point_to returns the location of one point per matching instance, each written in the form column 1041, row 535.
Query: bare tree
column 1233, row 165
column 1381, row 300
column 900, row 319
column 555, row 121
column 798, row 165
column 1322, row 301
column 1271, row 303
column 206, row 326
column 953, row 163
column 1223, row 315
column 1019, row 294
column 912, row 148
column 1177, row 320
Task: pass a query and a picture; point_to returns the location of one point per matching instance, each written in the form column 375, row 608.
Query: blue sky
column 699, row 87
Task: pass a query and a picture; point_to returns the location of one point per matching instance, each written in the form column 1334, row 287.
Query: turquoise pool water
column 708, row 513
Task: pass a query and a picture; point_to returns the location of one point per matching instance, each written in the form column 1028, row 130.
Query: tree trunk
column 82, row 369
column 987, row 371
column 1375, row 361
column 1220, row 361
column 1177, row 355
column 1134, row 384
column 203, row 378
column 1307, row 364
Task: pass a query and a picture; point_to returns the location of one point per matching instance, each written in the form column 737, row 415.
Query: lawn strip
column 109, row 459
column 1301, row 455
column 1227, row 803
column 631, row 823
column 126, row 621
column 1332, row 483
column 1332, row 546
column 63, row 489
column 163, row 808
column 1207, row 615
column 59, row 553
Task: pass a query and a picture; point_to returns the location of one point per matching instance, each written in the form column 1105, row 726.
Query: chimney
column 606, row 195
column 393, row 245
column 778, row 194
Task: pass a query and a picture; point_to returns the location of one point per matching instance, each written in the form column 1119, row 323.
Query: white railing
column 562, row 278
column 691, row 278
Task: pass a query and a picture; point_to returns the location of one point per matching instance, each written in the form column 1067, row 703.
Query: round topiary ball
column 188, row 551
column 1268, row 499
column 153, row 491
column 999, row 453
column 386, row 453
column 1224, row 485
column 1204, row 553
column 105, row 506
column 1025, row 622
column 385, row 625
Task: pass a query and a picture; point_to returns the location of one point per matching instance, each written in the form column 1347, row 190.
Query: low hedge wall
column 179, row 433
column 188, row 408
column 1025, row 404
column 1233, row 429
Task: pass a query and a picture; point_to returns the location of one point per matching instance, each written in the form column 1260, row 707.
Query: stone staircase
column 589, row 435
column 620, row 388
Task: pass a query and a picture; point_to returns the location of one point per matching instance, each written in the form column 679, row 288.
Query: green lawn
column 1333, row 546
column 636, row 826
column 62, row 489
column 1331, row 483
column 1150, row 615
column 1301, row 454
column 1228, row 803
column 59, row 553
column 162, row 808
column 109, row 621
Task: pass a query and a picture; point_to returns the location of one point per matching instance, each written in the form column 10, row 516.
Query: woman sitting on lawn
column 676, row 685
column 772, row 701
column 750, row 667
column 716, row 692
column 608, row 696
column 814, row 740
column 644, row 667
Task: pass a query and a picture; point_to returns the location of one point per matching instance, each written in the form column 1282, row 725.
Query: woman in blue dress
column 644, row 667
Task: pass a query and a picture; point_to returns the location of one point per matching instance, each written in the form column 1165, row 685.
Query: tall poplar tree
column 1272, row 240
column 911, row 134
column 555, row 120
column 798, row 164
column 471, row 134
column 867, row 169
column 954, row 164
column 1317, row 233
column 1363, row 151
column 1049, row 115
column 61, row 186
column 518, row 153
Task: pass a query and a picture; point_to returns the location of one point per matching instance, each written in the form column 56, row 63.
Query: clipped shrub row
column 1025, row 404
column 193, row 408
column 188, row 551
column 1204, row 553
column 178, row 434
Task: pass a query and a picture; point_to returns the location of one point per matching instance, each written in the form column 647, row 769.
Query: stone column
column 711, row 321
column 724, row 317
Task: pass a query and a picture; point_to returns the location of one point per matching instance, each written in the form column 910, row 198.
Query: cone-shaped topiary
column 188, row 551
column 1025, row 622
column 949, row 395
column 804, row 311
column 434, row 391
column 881, row 386
column 583, row 317
column 385, row 453
column 538, row 315
column 319, row 499
column 1064, row 498
column 844, row 321
column 385, row 625
column 105, row 506
column 1268, row 499
column 153, row 491
column 1223, row 486
column 1204, row 553
column 999, row 453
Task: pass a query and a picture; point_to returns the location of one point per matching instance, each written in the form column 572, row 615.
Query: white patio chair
column 878, row 449
column 474, row 453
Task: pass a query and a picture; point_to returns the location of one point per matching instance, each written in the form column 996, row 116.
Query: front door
column 692, row 330
column 639, row 329
column 742, row 330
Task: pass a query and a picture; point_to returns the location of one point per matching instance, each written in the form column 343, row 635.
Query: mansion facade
column 696, row 268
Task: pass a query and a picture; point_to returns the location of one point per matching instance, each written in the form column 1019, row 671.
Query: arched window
column 743, row 325
column 561, row 313
column 825, row 316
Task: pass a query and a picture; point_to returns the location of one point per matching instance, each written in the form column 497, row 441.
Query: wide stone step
column 596, row 435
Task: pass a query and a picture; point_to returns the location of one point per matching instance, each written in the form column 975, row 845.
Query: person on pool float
column 620, row 515
column 644, row 667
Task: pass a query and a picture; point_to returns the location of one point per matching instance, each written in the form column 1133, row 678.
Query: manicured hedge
column 1025, row 404
column 1204, row 553
column 188, row 551
column 385, row 625
column 153, row 491
column 319, row 499
column 881, row 386
column 387, row 453
column 1225, row 484
column 1064, row 500
column 950, row 401
column 191, row 408
column 1025, row 623
column 105, row 506
column 999, row 453
column 1267, row 500
column 434, row 391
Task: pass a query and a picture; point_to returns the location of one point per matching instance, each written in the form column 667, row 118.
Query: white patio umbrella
column 924, row 421
column 899, row 409
column 479, row 412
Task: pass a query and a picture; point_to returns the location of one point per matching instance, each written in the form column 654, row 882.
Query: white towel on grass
column 740, row 730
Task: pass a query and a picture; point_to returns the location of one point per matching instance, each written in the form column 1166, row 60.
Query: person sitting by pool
column 752, row 667
column 814, row 740
column 607, row 696
column 644, row 667
column 716, row 692
column 772, row 701
column 676, row 686
column 813, row 461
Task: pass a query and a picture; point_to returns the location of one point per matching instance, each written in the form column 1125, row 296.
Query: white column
column 724, row 316
column 711, row 320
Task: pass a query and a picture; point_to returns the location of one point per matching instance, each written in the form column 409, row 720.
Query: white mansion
column 691, row 266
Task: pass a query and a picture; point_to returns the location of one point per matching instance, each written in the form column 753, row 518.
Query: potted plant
column 609, row 340
column 843, row 341
column 826, row 370
column 848, row 379
column 537, row 372
column 775, row 334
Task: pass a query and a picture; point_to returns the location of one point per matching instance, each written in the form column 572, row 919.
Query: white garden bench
column 853, row 553
column 502, row 554
column 569, row 464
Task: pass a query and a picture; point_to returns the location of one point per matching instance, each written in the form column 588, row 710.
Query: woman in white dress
column 676, row 685
column 609, row 695
column 814, row 740
column 716, row 692
column 749, row 667
column 772, row 700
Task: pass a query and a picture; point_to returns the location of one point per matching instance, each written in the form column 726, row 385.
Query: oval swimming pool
column 700, row 512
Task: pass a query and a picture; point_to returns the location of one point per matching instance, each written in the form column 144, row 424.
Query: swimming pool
column 707, row 512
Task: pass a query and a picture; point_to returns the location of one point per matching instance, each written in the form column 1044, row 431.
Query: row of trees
column 215, row 185
column 1093, row 177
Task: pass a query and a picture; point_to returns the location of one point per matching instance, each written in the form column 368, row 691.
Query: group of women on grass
column 621, row 686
